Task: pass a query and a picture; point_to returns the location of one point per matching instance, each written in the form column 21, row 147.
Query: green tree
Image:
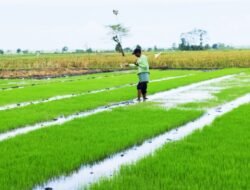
column 18, row 50
column 79, row 51
column 89, row 50
column 194, row 40
column 65, row 49
column 25, row 51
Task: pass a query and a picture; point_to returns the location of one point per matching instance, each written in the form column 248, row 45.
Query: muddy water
column 106, row 168
column 23, row 104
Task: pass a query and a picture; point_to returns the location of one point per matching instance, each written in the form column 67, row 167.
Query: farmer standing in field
column 143, row 73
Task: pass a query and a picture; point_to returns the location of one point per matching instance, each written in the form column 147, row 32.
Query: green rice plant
column 231, row 90
column 34, row 158
column 6, row 83
column 79, row 86
column 216, row 157
column 33, row 114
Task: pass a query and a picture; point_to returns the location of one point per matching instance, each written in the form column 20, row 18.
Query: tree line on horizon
column 195, row 40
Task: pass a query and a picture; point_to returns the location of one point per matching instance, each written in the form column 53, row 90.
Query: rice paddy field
column 44, row 65
column 89, row 132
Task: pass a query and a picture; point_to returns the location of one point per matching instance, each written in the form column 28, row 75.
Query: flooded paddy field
column 89, row 132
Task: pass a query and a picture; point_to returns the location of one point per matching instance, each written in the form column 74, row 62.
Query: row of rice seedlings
column 34, row 158
column 47, row 90
column 33, row 114
column 215, row 158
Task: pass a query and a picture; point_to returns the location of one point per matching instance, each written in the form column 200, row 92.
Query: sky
column 81, row 24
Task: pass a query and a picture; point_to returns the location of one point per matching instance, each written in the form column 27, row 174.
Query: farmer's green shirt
column 143, row 66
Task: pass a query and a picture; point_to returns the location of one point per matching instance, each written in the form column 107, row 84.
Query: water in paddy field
column 164, row 98
column 190, row 94
column 68, row 96
column 198, row 95
column 198, row 92
column 106, row 168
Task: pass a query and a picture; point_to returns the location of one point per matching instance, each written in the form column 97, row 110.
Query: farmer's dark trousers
column 143, row 87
